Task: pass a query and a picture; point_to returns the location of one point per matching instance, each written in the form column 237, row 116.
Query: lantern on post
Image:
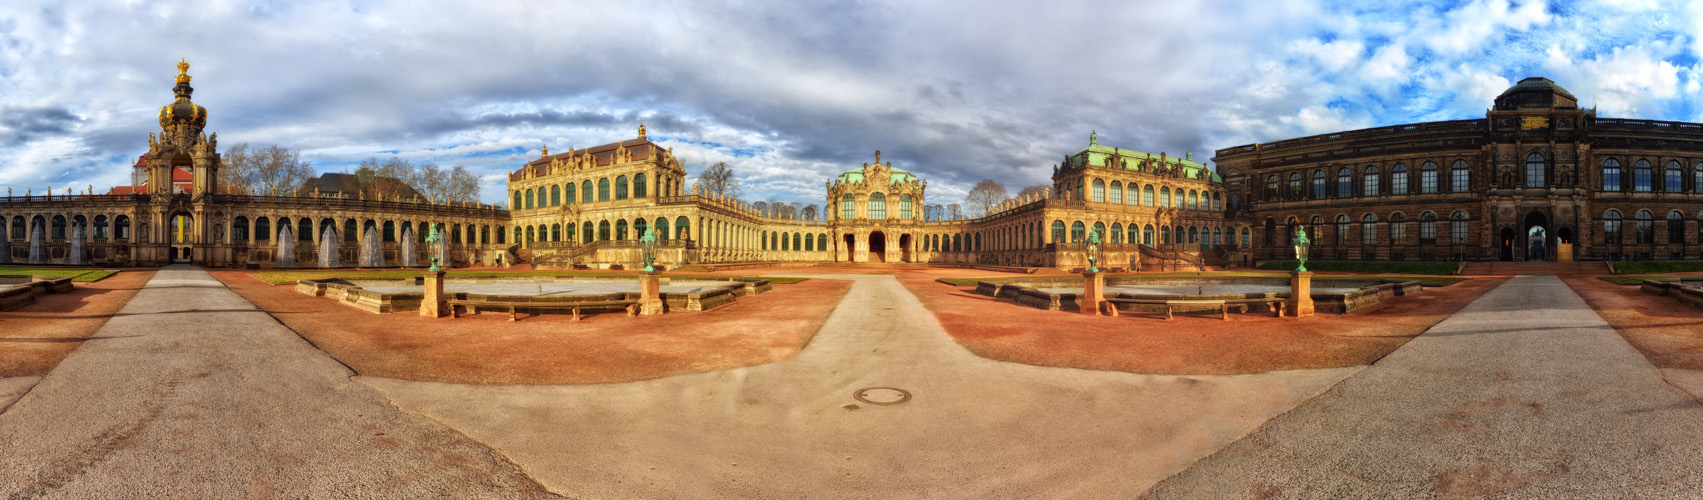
column 647, row 246
column 1302, row 243
column 432, row 239
column 1092, row 252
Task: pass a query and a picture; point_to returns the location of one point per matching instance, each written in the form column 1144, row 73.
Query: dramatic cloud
column 792, row 93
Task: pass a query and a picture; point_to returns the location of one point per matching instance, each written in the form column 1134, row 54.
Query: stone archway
column 1507, row 244
column 1537, row 237
column 851, row 248
column 904, row 248
column 877, row 246
column 180, row 236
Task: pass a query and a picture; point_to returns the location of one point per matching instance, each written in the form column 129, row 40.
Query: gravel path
column 1525, row 393
column 191, row 392
column 973, row 428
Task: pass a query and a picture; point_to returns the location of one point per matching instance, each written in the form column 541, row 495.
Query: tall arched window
column 682, row 228
column 620, row 229
column 661, row 228
column 1147, row 192
column 640, row 185
column 1271, row 187
column 1058, row 231
column 1344, row 183
column 1398, row 229
column 1147, row 235
column 1676, row 227
column 1611, row 227
column 1641, row 176
column 1611, row 175
column 1672, row 179
column 905, row 207
column 1078, row 232
column 1460, row 177
column 603, row 231
column 1100, row 228
column 848, row 207
column 1535, row 174
column 1099, row 191
column 1164, row 235
column 1295, row 187
column 1646, row 227
column 1342, row 229
column 1368, row 230
column 100, row 227
column 1117, row 194
column 568, row 194
column 1194, row 200
column 603, row 189
column 518, row 203
column 1319, row 191
column 1369, row 182
column 1428, row 178
column 262, row 229
column 1164, row 196
column 1218, row 202
column 621, row 187
column 1398, row 179
column 877, row 206
column 1697, row 179
column 1458, row 228
column 585, row 192
column 1117, row 233
column 555, row 196
column 1427, row 228
column 1246, row 234
column 529, row 199
column 239, row 229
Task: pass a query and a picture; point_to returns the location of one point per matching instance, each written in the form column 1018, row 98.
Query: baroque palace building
column 178, row 212
column 1538, row 178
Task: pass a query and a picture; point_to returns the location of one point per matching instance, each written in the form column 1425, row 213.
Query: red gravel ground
column 552, row 349
column 1666, row 330
column 1190, row 344
column 36, row 337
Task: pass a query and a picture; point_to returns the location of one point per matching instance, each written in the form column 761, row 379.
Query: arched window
column 529, row 199
column 1147, row 192
column 1641, row 176
column 568, row 194
column 603, row 189
column 1218, row 236
column 1164, row 196
column 603, row 233
column 239, row 228
column 19, row 227
column 848, row 207
column 822, row 242
column 518, row 204
column 100, row 227
column 1147, row 235
column 1058, row 231
column 1117, row 233
column 1295, row 188
column 1218, row 202
column 1344, row 183
column 1676, row 227
column 620, row 229
column 531, row 235
column 502, row 236
column 1611, row 175
column 556, row 232
column 1100, row 228
column 1117, row 195
column 1672, row 179
column 877, row 206
column 1319, row 191
column 1398, row 179
column 1645, row 227
column 1460, row 177
column 1078, row 232
column 621, row 187
column 262, row 229
column 585, row 192
column 640, row 186
column 1535, row 175
column 682, row 228
column 1342, row 229
column 555, row 196
column 1246, row 237
column 1194, row 200
column 349, row 234
column 1369, row 182
column 1428, row 178
column 1427, row 228
column 1697, row 179
column 1194, row 236
column 1368, row 230
column 1164, row 235
column 905, row 207
column 1099, row 191
column 1611, row 227
column 1458, row 228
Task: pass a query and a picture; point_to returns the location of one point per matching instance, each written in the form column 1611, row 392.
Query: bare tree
column 463, row 185
column 793, row 209
column 986, row 195
column 1036, row 190
column 931, row 213
column 762, row 208
column 719, row 178
column 952, row 212
column 391, row 178
column 809, row 212
column 264, row 171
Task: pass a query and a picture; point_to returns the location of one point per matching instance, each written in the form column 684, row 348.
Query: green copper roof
column 1096, row 155
column 897, row 176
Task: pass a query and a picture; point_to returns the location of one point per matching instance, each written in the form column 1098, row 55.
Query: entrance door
column 904, row 248
column 1537, row 237
column 1507, row 244
column 851, row 248
column 877, row 247
column 180, row 227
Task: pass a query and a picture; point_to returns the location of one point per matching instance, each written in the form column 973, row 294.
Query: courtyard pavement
column 1525, row 393
column 191, row 392
column 973, row 428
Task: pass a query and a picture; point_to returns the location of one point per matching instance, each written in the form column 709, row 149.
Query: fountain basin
column 1330, row 295
column 1687, row 290
column 20, row 290
column 388, row 295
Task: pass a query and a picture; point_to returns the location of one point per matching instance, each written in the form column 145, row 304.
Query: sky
column 790, row 94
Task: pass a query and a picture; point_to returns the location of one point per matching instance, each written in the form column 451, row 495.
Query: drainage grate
column 883, row 396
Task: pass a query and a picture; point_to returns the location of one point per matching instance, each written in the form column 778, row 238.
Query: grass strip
column 84, row 275
column 1659, row 266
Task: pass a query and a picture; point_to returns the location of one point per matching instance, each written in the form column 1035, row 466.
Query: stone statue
column 1093, row 251
column 1301, row 245
column 647, row 246
column 432, row 239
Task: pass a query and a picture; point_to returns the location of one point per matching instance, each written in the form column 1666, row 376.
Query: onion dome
column 1536, row 92
column 183, row 112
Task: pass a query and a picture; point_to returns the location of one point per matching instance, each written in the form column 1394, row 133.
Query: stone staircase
column 1534, row 268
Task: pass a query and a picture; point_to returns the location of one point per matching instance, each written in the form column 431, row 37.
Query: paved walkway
column 191, row 392
column 974, row 428
column 1525, row 393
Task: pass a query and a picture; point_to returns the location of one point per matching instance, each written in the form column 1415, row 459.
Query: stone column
column 650, row 294
column 434, row 304
column 1093, row 293
column 1300, row 294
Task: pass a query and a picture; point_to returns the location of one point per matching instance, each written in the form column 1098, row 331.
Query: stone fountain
column 38, row 249
column 79, row 254
column 372, row 254
column 328, row 257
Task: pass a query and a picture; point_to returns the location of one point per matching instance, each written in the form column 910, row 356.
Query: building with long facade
column 1538, row 178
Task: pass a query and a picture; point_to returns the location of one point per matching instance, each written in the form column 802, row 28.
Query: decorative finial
column 641, row 130
column 1093, row 138
column 545, row 153
column 877, row 157
column 183, row 71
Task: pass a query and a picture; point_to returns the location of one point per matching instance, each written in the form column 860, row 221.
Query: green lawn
column 76, row 274
column 1638, row 279
column 1365, row 266
column 1658, row 266
column 291, row 277
column 1432, row 281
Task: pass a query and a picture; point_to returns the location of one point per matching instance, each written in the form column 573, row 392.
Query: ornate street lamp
column 1301, row 245
column 647, row 246
column 432, row 239
column 1092, row 252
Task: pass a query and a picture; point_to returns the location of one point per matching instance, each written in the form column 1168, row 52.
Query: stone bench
column 1222, row 305
column 514, row 308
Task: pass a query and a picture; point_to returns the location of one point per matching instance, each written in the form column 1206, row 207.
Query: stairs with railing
column 1170, row 259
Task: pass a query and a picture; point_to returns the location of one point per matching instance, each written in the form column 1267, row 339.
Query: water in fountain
column 38, row 252
column 78, row 255
column 328, row 249
column 443, row 252
column 408, row 248
column 372, row 253
column 286, row 248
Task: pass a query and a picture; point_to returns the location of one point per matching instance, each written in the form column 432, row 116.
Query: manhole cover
column 884, row 396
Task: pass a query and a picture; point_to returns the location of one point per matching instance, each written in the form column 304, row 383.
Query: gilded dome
column 183, row 112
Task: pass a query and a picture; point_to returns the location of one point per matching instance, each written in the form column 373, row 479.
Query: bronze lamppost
column 1301, row 245
column 647, row 247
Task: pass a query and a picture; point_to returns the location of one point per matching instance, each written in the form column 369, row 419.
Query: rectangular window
column 1371, row 185
column 1459, row 181
column 1398, row 233
column 1398, row 182
column 1342, row 236
column 1457, row 232
column 1427, row 232
column 1611, row 179
column 1676, row 231
column 1368, row 233
column 1611, row 231
column 1428, row 181
column 1672, row 184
